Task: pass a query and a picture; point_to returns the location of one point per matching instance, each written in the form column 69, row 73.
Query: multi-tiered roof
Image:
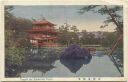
column 43, row 33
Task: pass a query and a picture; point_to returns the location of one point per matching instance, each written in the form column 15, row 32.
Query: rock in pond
column 75, row 52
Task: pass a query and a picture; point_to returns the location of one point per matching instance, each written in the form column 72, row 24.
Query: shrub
column 14, row 55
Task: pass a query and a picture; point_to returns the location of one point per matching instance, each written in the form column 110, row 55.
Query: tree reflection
column 42, row 61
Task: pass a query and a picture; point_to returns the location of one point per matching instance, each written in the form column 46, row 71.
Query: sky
column 60, row 14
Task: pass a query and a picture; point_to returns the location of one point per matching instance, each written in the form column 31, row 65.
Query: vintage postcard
column 64, row 40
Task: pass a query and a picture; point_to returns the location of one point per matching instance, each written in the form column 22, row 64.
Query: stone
column 75, row 51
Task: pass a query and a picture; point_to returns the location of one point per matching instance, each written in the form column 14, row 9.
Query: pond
column 99, row 66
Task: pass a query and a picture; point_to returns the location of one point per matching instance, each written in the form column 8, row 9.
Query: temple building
column 43, row 33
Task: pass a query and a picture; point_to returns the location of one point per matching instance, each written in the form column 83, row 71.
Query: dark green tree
column 66, row 36
column 15, row 40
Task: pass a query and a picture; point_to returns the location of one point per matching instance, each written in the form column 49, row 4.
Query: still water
column 99, row 66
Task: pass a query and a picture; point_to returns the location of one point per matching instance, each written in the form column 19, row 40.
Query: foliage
column 9, row 38
column 67, row 37
column 15, row 40
column 109, row 39
column 68, row 34
column 113, row 14
column 105, row 39
column 15, row 28
column 14, row 55
column 45, row 54
column 8, row 15
column 88, row 38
